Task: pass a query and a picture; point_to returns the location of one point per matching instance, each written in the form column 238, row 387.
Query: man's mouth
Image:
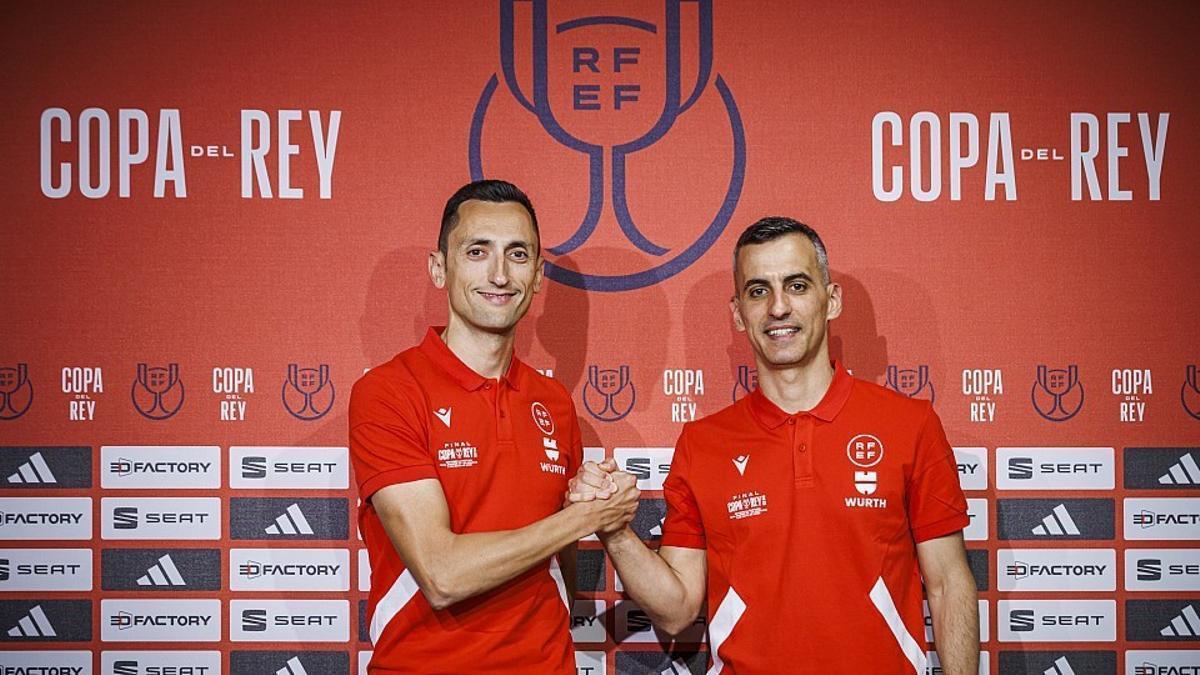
column 498, row 297
column 781, row 332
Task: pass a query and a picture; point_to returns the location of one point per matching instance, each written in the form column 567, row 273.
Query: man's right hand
column 593, row 481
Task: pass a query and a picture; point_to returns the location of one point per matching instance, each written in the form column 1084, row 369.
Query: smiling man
column 808, row 512
column 461, row 453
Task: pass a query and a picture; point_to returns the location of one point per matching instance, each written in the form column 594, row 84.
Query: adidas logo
column 291, row 521
column 1183, row 472
column 163, row 573
column 1187, row 624
column 34, row 624
column 1058, row 523
column 677, row 667
column 37, row 471
column 1061, row 667
column 293, row 667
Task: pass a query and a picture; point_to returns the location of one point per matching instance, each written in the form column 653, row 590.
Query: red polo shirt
column 810, row 523
column 503, row 451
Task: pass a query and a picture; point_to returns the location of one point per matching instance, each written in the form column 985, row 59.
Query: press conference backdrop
column 218, row 216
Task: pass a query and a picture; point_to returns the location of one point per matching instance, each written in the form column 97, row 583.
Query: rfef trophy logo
column 609, row 395
column 1189, row 393
column 307, row 392
column 157, row 392
column 912, row 382
column 600, row 119
column 1057, row 394
column 16, row 392
column 746, row 382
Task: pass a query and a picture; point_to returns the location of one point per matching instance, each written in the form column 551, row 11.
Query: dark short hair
column 485, row 191
column 774, row 227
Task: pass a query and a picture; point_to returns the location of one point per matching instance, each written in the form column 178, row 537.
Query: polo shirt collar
column 771, row 416
column 436, row 350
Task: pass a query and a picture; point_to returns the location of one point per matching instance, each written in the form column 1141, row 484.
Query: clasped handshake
column 609, row 496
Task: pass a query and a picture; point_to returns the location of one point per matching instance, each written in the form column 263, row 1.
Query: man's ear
column 833, row 306
column 437, row 268
column 734, row 305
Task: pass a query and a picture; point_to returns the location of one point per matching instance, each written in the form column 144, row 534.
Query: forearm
column 651, row 582
column 955, row 611
column 465, row 565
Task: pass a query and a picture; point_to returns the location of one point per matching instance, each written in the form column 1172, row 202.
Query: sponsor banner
column 933, row 664
column 1056, row 569
column 289, row 663
column 45, row 468
column 165, row 518
column 972, row 468
column 289, row 468
column 289, row 518
column 587, row 663
column 160, row 663
column 289, row 620
column 658, row 662
column 1058, row 663
column 977, row 560
column 587, row 621
column 1176, row 620
column 45, row 620
column 289, row 569
column 1057, row 620
column 1162, row 468
column 171, row 620
column 147, row 569
column 45, row 569
column 977, row 528
column 649, row 465
column 1162, row 662
column 634, row 625
column 45, row 518
column 984, row 621
column 77, row 662
column 1169, row 519
column 1162, row 569
column 160, row 467
column 364, row 570
column 1050, row 519
column 1054, row 469
column 647, row 521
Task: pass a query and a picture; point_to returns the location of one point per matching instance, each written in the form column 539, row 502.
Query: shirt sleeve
column 683, row 526
column 388, row 438
column 936, row 505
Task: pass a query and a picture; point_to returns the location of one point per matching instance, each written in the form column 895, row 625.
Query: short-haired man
column 811, row 508
column 462, row 453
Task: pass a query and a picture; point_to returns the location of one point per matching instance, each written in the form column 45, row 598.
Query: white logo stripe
column 402, row 590
column 882, row 599
column 173, row 574
column 43, row 623
column 723, row 620
column 27, row 474
column 43, row 469
column 1189, row 464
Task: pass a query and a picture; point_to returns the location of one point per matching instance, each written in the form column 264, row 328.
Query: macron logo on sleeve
column 443, row 414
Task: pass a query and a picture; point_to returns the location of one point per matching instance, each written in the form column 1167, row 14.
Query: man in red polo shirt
column 462, row 455
column 810, row 509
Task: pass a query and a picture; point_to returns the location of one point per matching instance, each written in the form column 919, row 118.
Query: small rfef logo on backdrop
column 1057, row 393
column 157, row 392
column 16, row 392
column 609, row 395
column 912, row 382
column 609, row 87
column 746, row 382
column 1189, row 393
column 308, row 392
